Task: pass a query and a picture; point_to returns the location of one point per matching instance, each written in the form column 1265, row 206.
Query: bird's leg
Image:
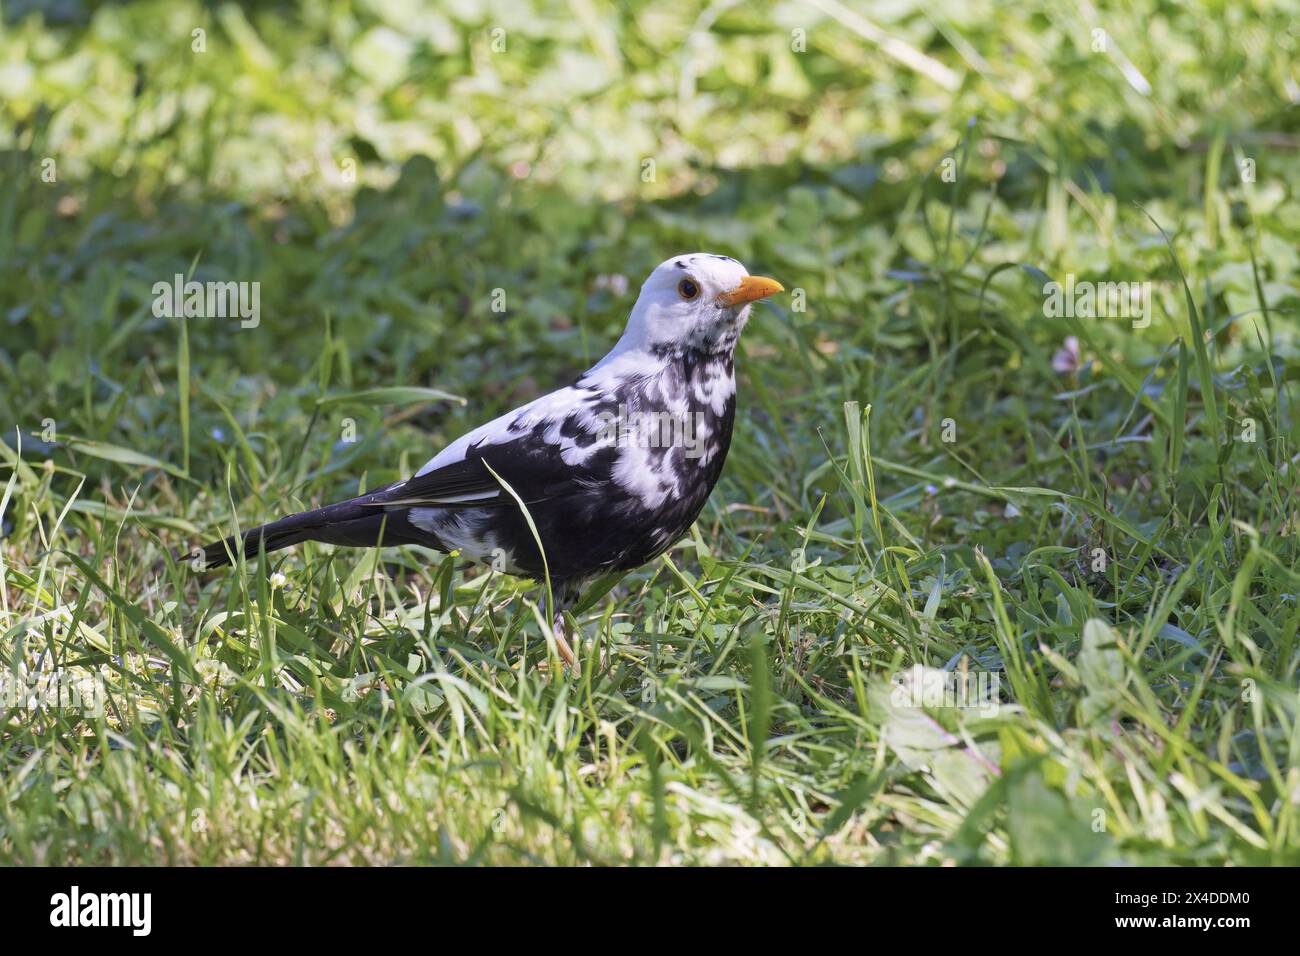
column 560, row 629
column 566, row 596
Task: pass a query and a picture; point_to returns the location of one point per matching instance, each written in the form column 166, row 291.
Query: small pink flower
column 1067, row 360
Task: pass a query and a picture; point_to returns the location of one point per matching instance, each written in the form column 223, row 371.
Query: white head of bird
column 694, row 302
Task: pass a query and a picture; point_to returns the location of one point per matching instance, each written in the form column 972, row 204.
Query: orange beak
column 750, row 289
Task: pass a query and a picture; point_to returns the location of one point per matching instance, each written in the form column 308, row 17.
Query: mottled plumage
column 612, row 469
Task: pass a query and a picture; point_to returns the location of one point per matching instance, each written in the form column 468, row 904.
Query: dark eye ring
column 687, row 289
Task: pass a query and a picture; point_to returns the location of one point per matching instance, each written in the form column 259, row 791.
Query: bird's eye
column 687, row 289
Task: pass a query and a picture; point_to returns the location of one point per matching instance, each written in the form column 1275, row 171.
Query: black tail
column 347, row 523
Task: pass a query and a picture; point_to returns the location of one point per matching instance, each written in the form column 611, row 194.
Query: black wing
column 530, row 465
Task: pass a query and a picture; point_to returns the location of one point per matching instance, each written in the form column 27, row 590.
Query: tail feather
column 345, row 523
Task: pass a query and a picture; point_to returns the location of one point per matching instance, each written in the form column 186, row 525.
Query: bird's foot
column 563, row 634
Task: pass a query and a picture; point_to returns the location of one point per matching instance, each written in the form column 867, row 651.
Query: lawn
column 1024, row 424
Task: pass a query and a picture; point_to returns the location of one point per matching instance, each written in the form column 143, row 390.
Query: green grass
column 1116, row 541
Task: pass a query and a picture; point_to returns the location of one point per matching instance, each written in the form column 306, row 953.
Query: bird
column 605, row 474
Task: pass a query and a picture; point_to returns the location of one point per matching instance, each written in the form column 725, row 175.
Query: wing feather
column 526, row 448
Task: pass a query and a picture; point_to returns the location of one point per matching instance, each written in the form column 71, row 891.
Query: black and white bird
column 612, row 470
